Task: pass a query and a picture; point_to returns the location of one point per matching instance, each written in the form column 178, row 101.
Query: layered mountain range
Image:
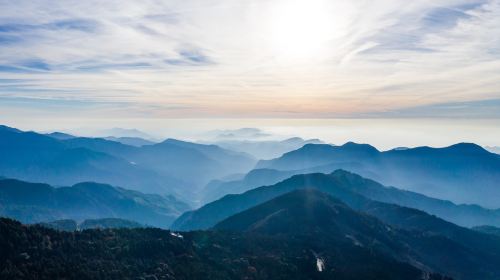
column 302, row 234
column 265, row 149
column 461, row 214
column 165, row 168
column 462, row 173
column 339, row 182
column 95, row 210
column 330, row 228
column 35, row 203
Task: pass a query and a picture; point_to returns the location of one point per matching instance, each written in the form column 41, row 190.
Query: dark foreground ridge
column 326, row 224
column 29, row 252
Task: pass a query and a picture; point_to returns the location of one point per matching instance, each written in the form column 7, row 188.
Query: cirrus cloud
column 207, row 58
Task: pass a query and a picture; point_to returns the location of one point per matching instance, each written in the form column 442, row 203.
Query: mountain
column 164, row 168
column 35, row 157
column 60, row 135
column 104, row 223
column 131, row 141
column 63, row 225
column 101, row 145
column 317, row 213
column 488, row 229
column 148, row 253
column 477, row 247
column 216, row 189
column 4, row 128
column 265, row 149
column 495, row 150
column 182, row 159
column 35, row 203
column 326, row 224
column 312, row 155
column 108, row 223
column 123, row 132
column 174, row 159
column 462, row 173
column 235, row 161
column 336, row 183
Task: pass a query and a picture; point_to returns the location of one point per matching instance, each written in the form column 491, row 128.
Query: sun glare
column 302, row 28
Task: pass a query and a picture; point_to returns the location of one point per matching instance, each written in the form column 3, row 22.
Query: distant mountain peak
column 467, row 148
column 354, row 145
column 61, row 136
column 8, row 128
column 342, row 172
column 124, row 132
column 185, row 144
column 310, row 146
column 172, row 141
column 299, row 140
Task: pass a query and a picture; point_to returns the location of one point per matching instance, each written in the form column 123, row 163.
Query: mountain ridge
column 308, row 214
column 462, row 173
column 464, row 215
column 159, row 168
column 36, row 202
column 148, row 253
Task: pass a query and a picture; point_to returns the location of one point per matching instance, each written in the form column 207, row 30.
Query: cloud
column 68, row 24
column 95, row 67
column 192, row 58
column 466, row 109
column 218, row 58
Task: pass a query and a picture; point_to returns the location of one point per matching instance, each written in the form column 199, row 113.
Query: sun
column 302, row 28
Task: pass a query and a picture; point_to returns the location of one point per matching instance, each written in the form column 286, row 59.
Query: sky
column 97, row 61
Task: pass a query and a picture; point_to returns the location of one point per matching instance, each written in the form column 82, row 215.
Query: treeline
column 35, row 252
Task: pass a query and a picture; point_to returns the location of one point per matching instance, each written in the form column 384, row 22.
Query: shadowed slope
column 325, row 223
column 148, row 253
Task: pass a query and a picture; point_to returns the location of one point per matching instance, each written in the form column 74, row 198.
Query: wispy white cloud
column 467, row 109
column 196, row 58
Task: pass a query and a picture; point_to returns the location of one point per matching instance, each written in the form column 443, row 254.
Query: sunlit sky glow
column 249, row 59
